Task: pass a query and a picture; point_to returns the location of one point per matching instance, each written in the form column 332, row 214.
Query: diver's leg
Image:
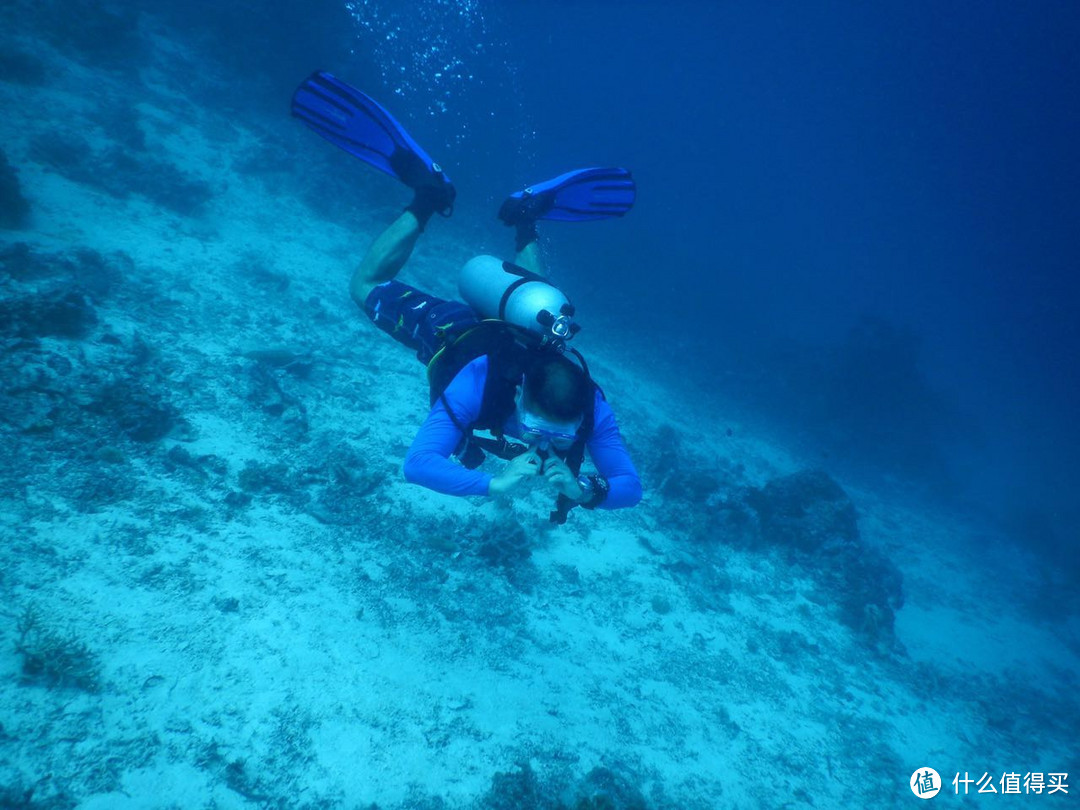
column 521, row 215
column 412, row 317
column 393, row 247
column 576, row 196
column 386, row 256
column 527, row 249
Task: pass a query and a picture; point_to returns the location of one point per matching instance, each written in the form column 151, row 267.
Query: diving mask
column 544, row 433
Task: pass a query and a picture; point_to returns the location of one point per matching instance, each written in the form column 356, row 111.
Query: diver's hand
column 558, row 474
column 519, row 468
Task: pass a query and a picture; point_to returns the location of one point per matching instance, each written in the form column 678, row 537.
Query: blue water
column 805, row 166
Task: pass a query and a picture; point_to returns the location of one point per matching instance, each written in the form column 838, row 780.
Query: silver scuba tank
column 498, row 289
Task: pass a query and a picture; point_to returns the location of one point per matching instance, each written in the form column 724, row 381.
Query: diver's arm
column 612, row 460
column 428, row 461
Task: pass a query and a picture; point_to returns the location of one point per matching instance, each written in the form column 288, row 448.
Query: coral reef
column 503, row 545
column 690, row 482
column 81, row 269
column 138, row 410
column 329, row 480
column 606, row 789
column 809, row 518
column 680, row 474
column 58, row 313
column 265, row 478
column 602, row 788
column 806, row 511
column 78, row 401
column 515, row 790
column 52, row 658
column 51, row 392
column 271, row 390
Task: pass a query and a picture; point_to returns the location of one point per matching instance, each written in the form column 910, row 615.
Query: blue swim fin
column 358, row 124
column 578, row 196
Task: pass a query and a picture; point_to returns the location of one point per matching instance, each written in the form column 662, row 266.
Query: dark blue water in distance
column 806, row 166
column 857, row 223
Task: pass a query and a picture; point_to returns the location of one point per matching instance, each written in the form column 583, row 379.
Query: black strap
column 562, row 510
column 472, row 451
column 510, row 290
column 600, row 490
column 500, row 447
column 524, row 277
column 452, row 415
column 584, row 367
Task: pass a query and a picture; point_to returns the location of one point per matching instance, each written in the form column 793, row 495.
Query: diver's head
column 553, row 400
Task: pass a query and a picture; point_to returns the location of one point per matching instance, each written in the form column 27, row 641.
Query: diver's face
column 540, row 431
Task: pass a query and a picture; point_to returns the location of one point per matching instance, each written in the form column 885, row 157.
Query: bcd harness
column 510, row 350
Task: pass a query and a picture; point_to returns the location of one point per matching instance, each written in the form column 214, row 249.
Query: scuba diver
column 498, row 362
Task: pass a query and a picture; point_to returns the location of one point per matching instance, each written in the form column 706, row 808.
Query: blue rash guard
column 428, row 461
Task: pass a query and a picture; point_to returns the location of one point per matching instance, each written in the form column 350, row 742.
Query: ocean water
column 838, row 329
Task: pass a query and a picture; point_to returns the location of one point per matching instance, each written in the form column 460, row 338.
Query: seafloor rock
column 328, row 479
column 266, row 478
column 341, row 480
column 97, row 273
column 58, row 313
column 202, row 468
column 73, row 416
column 135, row 408
column 605, row 789
column 809, row 516
column 805, row 511
column 36, row 384
column 515, row 790
column 14, row 207
column 122, row 172
column 52, row 658
column 270, row 390
column 601, row 789
column 50, row 388
column 86, row 269
column 504, row 545
column 90, row 484
column 680, row 474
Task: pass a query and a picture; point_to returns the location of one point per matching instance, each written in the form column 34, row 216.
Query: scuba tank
column 504, row 291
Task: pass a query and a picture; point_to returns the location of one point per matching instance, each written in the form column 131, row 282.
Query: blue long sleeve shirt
column 428, row 461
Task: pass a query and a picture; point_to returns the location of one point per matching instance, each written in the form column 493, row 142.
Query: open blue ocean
column 836, row 334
